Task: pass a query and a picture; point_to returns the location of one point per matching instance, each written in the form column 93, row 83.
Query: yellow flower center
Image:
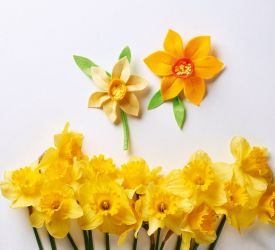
column 199, row 180
column 162, row 207
column 235, row 194
column 117, row 90
column 183, row 68
column 105, row 205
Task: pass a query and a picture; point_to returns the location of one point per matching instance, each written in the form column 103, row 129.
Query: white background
column 42, row 88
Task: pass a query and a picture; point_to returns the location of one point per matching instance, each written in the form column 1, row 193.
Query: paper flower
column 117, row 90
column 182, row 70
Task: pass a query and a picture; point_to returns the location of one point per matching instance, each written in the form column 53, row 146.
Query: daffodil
column 118, row 91
column 56, row 208
column 184, row 68
column 105, row 206
column 22, row 186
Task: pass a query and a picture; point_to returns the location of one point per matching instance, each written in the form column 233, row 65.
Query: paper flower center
column 117, row 90
column 105, row 205
column 183, row 68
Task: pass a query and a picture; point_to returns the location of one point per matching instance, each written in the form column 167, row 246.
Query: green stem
column 85, row 236
column 157, row 241
column 178, row 245
column 90, row 239
column 52, row 241
column 218, row 232
column 107, row 241
column 166, row 238
column 135, row 243
column 39, row 243
column 195, row 246
column 125, row 130
column 72, row 241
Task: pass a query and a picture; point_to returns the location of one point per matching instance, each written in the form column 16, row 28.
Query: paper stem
column 39, row 243
column 125, row 130
column 85, row 236
column 72, row 241
column 178, row 245
column 135, row 243
column 107, row 241
column 218, row 232
column 157, row 241
column 90, row 239
column 52, row 241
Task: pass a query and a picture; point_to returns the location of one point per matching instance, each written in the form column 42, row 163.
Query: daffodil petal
column 198, row 47
column 129, row 104
column 100, row 78
column 154, row 224
column 110, row 108
column 37, row 219
column 160, row 63
column 90, row 220
column 207, row 67
column 70, row 210
column 239, row 147
column 121, row 70
column 97, row 99
column 58, row 228
column 136, row 83
column 194, row 89
column 170, row 87
column 173, row 44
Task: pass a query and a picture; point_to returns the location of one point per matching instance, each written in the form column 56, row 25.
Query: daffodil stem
column 178, row 245
column 125, row 130
column 218, row 233
column 157, row 241
column 85, row 236
column 135, row 243
column 52, row 241
column 166, row 238
column 107, row 241
column 39, row 243
column 70, row 238
column 195, row 246
column 90, row 239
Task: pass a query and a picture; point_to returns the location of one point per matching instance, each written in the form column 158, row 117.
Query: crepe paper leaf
column 126, row 52
column 179, row 111
column 125, row 130
column 84, row 64
column 155, row 101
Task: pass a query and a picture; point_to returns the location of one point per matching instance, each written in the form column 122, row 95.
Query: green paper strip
column 126, row 52
column 179, row 111
column 125, row 130
column 84, row 64
column 155, row 101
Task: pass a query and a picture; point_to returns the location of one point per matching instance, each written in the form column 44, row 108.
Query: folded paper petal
column 97, row 99
column 111, row 110
column 171, row 87
column 160, row 63
column 173, row 44
column 194, row 89
column 136, row 83
column 198, row 47
column 100, row 78
column 207, row 67
column 121, row 70
column 130, row 104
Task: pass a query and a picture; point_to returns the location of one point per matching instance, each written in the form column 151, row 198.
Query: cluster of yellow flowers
column 64, row 184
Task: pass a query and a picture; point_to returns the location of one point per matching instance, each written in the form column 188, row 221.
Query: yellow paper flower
column 116, row 92
column 106, row 206
column 184, row 68
column 56, row 208
column 22, row 186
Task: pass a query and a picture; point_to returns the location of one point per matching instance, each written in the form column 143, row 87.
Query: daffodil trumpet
column 183, row 71
column 117, row 91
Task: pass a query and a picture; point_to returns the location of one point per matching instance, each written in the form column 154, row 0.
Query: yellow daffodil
column 266, row 206
column 106, row 206
column 56, row 208
column 184, row 68
column 22, row 186
column 116, row 92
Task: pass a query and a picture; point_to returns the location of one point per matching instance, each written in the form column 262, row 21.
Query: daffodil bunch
column 193, row 202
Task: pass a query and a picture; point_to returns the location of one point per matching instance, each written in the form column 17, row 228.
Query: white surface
column 42, row 88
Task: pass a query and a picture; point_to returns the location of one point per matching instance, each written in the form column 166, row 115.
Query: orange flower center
column 105, row 205
column 162, row 207
column 117, row 90
column 183, row 68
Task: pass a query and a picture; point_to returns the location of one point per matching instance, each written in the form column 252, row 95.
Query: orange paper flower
column 184, row 68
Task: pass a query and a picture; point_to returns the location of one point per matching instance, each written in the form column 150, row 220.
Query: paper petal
column 100, row 78
column 198, row 47
column 171, row 87
column 173, row 44
column 136, row 83
column 84, row 64
column 121, row 70
column 130, row 104
column 97, row 99
column 194, row 89
column 111, row 110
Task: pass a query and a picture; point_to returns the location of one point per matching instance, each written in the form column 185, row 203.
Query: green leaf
column 126, row 52
column 155, row 101
column 84, row 64
column 179, row 111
